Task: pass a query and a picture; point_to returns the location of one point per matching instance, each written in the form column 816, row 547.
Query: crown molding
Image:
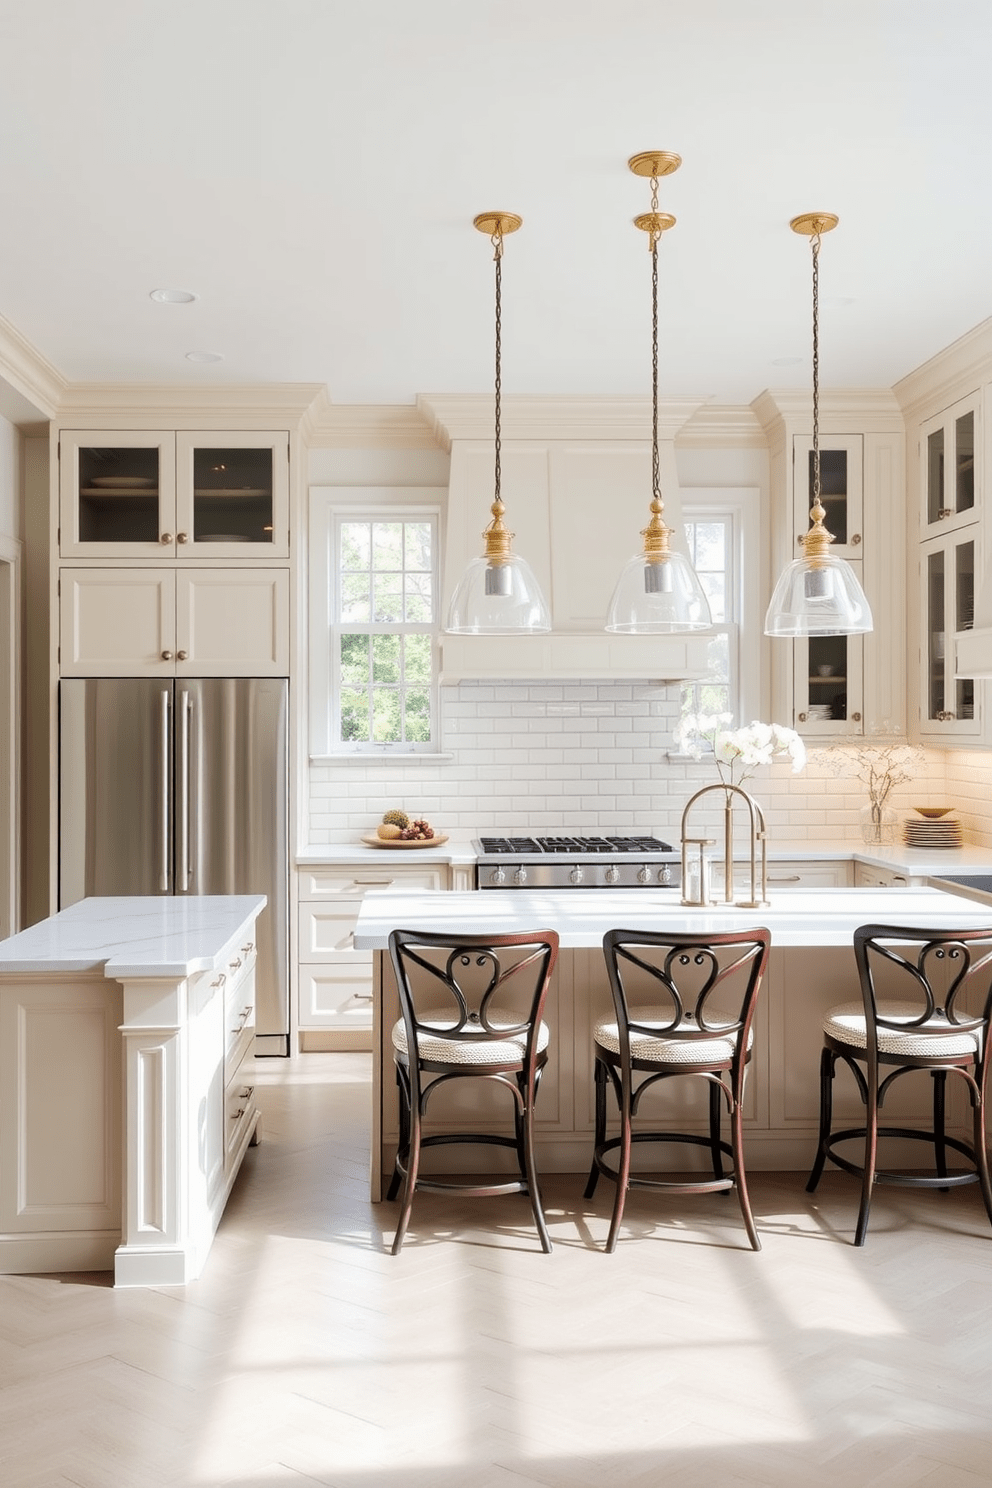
column 727, row 427
column 958, row 369
column 366, row 426
column 128, row 405
column 842, row 410
column 454, row 416
column 29, row 385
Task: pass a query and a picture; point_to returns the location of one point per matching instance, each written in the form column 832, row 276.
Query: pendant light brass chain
column 815, row 245
column 497, row 241
column 655, row 460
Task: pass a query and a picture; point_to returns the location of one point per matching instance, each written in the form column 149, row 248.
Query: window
column 373, row 625
column 720, row 531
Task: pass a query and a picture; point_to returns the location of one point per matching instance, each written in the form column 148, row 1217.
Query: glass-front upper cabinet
column 828, row 686
column 950, row 492
column 947, row 579
column 206, row 495
column 841, row 489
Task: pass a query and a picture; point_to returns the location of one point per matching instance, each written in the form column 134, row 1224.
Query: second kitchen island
column 810, row 969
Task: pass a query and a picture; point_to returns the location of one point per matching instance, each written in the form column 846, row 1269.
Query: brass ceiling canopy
column 497, row 224
column 813, row 224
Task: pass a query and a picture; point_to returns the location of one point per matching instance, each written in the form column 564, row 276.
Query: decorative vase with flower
column 737, row 754
column 880, row 767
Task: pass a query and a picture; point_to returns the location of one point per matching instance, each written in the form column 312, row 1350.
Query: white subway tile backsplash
column 596, row 757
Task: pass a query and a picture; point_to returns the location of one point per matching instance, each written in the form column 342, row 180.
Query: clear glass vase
column 878, row 824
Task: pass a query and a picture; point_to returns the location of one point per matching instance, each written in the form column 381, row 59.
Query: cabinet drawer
column 239, row 1110
column 327, row 930
column 239, row 1010
column 354, row 882
column 337, row 996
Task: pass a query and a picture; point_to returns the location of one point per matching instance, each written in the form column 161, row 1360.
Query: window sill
column 396, row 757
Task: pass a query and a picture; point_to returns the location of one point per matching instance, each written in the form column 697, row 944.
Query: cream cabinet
column 171, row 621
column 951, row 493
column 866, row 876
column 134, row 494
column 127, row 1103
column 950, row 706
column 802, row 873
column 335, row 980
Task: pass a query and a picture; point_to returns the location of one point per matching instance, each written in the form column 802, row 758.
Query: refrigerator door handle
column 163, row 880
column 186, row 709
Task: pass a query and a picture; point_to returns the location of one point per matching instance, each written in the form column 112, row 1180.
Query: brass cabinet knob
column 166, row 537
column 166, row 655
column 802, row 718
column 182, row 655
column 181, row 537
column 855, row 717
column 855, row 539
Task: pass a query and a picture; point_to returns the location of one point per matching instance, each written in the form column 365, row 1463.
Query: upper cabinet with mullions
column 948, row 444
column 160, row 494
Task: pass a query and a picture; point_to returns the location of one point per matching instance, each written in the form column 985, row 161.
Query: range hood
column 576, row 480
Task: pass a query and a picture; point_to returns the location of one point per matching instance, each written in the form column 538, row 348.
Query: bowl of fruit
column 397, row 829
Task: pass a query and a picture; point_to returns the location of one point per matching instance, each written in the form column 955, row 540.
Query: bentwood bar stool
column 471, row 1010
column 682, row 1010
column 932, row 1015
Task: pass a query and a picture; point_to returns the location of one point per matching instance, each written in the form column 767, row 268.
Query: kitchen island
column 810, row 969
column 126, row 1103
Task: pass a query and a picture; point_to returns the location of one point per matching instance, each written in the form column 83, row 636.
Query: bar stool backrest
column 467, row 989
column 690, row 988
column 939, row 980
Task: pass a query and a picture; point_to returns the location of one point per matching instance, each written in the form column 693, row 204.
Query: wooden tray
column 371, row 840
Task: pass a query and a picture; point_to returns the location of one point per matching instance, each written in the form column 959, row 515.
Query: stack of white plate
column 935, row 827
column 820, row 711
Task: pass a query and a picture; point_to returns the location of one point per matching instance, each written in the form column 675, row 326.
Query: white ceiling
column 311, row 168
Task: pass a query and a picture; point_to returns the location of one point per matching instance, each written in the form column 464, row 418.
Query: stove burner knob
column 497, row 876
column 520, row 877
column 665, row 876
column 644, row 875
column 613, row 875
column 576, row 876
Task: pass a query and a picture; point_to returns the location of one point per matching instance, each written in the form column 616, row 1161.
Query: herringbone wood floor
column 307, row 1356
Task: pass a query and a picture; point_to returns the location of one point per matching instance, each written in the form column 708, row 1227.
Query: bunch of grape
column 417, row 831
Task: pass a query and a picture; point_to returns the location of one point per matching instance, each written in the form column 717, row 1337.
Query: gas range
column 522, row 862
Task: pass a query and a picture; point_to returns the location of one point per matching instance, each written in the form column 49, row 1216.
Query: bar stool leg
column 600, row 1133
column 623, row 1165
column 828, row 1063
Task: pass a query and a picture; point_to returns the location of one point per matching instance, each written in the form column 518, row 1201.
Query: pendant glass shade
column 498, row 593
column 658, row 592
column 821, row 600
column 658, row 598
column 817, row 594
column 497, row 599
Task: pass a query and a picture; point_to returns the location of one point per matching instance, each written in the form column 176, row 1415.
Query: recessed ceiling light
column 172, row 296
column 204, row 356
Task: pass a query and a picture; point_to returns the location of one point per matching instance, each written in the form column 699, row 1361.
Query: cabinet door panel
column 117, row 493
column 117, row 622
column 232, row 494
column 232, row 622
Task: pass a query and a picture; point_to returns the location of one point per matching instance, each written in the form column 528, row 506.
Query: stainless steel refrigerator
column 182, row 788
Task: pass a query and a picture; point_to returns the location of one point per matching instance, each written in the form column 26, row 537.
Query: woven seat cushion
column 846, row 1024
column 477, row 1051
column 665, row 1050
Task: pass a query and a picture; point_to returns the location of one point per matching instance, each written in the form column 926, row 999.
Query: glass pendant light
column 817, row 594
column 498, row 593
column 658, row 591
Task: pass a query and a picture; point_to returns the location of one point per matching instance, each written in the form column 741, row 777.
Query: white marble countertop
column 458, row 850
column 135, row 937
column 820, row 917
